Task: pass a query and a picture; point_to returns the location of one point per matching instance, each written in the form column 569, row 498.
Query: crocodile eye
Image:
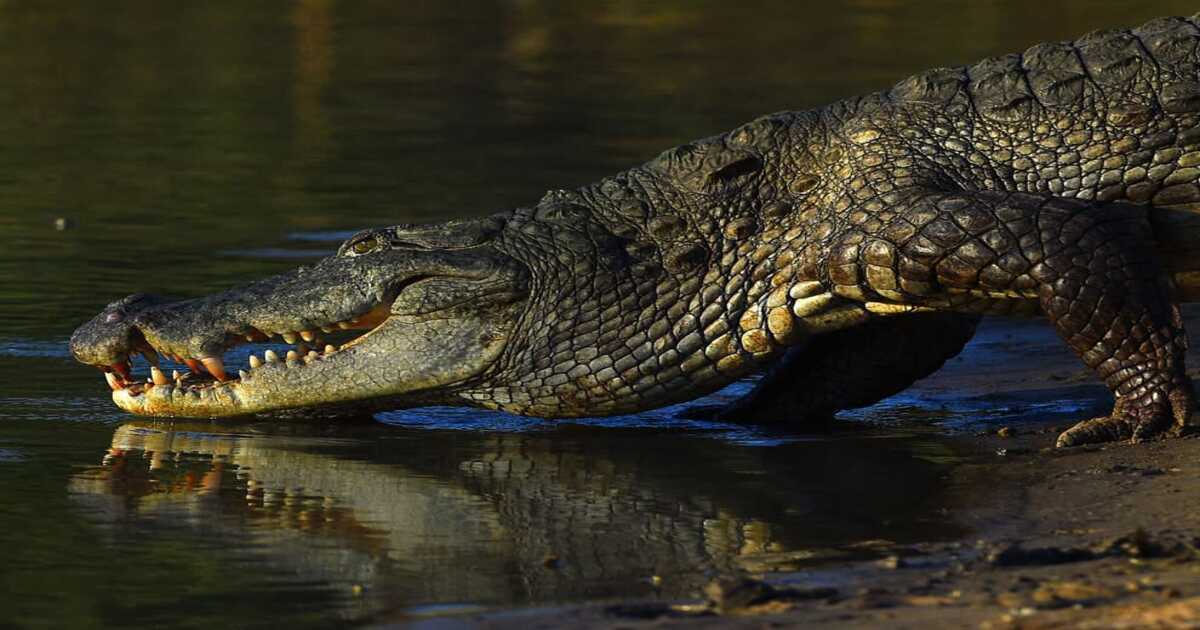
column 363, row 243
column 364, row 246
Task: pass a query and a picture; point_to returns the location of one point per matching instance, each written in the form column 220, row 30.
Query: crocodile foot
column 1156, row 420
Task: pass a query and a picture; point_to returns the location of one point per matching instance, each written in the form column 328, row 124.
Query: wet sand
column 1095, row 537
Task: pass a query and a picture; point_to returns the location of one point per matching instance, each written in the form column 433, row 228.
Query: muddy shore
column 1095, row 537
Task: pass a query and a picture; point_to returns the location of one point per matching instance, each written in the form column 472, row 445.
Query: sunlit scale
column 208, row 371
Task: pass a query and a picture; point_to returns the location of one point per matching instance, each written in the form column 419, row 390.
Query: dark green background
column 193, row 145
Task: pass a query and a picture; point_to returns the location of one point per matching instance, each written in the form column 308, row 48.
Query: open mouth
column 291, row 349
column 339, row 338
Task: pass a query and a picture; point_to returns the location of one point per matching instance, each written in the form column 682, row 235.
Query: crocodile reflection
column 423, row 516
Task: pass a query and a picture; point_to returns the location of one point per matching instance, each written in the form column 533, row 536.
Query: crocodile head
column 394, row 317
column 654, row 286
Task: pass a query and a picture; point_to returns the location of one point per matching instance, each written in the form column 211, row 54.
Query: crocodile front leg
column 1089, row 267
column 853, row 367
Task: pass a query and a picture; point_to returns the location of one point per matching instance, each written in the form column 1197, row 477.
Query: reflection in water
column 426, row 516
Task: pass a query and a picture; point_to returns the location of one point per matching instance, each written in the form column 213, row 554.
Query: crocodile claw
column 1120, row 428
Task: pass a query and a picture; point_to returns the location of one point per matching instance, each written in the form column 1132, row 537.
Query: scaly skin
column 1023, row 184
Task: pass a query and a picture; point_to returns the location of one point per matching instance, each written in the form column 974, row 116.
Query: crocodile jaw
column 399, row 358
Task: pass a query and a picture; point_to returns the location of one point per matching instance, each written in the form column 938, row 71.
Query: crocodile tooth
column 216, row 367
column 255, row 362
column 250, row 338
column 307, row 335
column 329, row 348
column 292, row 356
column 157, row 376
column 343, row 325
column 176, row 376
column 326, row 329
column 289, row 337
column 113, row 381
column 243, row 374
column 311, row 356
column 270, row 356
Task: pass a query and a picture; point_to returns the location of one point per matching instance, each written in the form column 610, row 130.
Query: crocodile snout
column 109, row 338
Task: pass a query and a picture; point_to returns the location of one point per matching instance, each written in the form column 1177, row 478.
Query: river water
column 179, row 148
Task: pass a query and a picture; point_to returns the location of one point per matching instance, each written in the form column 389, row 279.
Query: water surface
column 187, row 147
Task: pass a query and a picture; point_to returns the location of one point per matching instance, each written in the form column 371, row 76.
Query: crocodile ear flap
column 744, row 165
column 726, row 173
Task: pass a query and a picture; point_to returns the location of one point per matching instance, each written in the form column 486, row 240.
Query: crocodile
column 844, row 252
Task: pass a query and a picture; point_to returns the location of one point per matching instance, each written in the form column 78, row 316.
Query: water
column 188, row 147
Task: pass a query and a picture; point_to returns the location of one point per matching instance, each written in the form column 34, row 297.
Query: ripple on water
column 972, row 413
column 680, row 417
column 277, row 253
column 327, row 236
column 34, row 348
